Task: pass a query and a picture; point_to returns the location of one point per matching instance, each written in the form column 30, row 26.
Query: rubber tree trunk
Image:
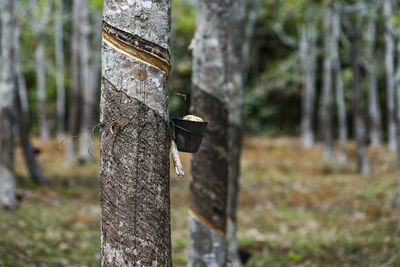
column 22, row 111
column 338, row 81
column 235, row 78
column 134, row 176
column 390, row 80
column 88, row 98
column 42, row 14
column 373, row 100
column 327, row 88
column 74, row 99
column 59, row 50
column 358, row 109
column 307, row 55
column 209, row 183
column 7, row 112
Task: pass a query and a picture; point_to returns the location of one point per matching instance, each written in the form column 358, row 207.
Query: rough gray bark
column 209, row 182
column 59, row 50
column 337, row 76
column 23, row 116
column 390, row 79
column 358, row 108
column 88, row 98
column 235, row 78
column 134, row 177
column 42, row 15
column 74, row 98
column 327, row 95
column 373, row 100
column 307, row 55
column 7, row 114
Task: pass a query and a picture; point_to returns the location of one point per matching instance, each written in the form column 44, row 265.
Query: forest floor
column 295, row 210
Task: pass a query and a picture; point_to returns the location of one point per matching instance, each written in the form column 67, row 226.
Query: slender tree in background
column 397, row 118
column 134, row 176
column 74, row 91
column 327, row 95
column 209, row 183
column 373, row 101
column 59, row 51
column 338, row 81
column 390, row 79
column 22, row 111
column 41, row 16
column 88, row 98
column 7, row 114
column 358, row 108
column 307, row 55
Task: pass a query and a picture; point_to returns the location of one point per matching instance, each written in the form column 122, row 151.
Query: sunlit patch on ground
column 295, row 209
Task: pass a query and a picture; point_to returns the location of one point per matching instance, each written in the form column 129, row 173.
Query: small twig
column 180, row 94
column 176, row 159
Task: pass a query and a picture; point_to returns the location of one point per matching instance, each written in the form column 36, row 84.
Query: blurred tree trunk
column 209, row 183
column 307, row 55
column 337, row 76
column 41, row 15
column 327, row 95
column 374, row 110
column 134, row 177
column 389, row 62
column 74, row 98
column 59, row 50
column 7, row 114
column 236, row 57
column 88, row 98
column 358, row 109
column 23, row 116
column 397, row 118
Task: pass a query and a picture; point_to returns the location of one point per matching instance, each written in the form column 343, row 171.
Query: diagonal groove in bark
column 207, row 223
column 137, row 48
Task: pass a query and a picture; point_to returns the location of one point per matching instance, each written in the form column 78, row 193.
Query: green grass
column 295, row 210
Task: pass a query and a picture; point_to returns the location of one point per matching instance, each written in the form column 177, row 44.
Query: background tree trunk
column 41, row 22
column 134, row 177
column 337, row 76
column 209, row 183
column 359, row 124
column 59, row 50
column 74, row 98
column 327, row 96
column 373, row 100
column 390, row 82
column 235, row 78
column 86, row 87
column 7, row 115
column 23, row 116
column 307, row 55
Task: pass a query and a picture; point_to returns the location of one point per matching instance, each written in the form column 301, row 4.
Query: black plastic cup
column 188, row 134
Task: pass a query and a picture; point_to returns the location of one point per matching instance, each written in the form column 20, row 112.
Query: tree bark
column 235, row 78
column 7, row 97
column 358, row 109
column 74, row 98
column 374, row 110
column 86, row 84
column 23, row 116
column 209, row 183
column 327, row 96
column 307, row 55
column 59, row 50
column 134, row 177
column 337, row 76
column 390, row 80
column 42, row 17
